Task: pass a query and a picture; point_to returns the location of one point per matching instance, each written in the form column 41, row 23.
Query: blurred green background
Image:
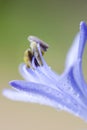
column 56, row 22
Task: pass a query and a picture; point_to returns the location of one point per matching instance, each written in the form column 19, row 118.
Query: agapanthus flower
column 42, row 85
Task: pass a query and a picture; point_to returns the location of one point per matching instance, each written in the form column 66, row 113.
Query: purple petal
column 43, row 74
column 62, row 100
column 77, row 58
column 77, row 48
column 28, row 97
column 73, row 53
column 77, row 69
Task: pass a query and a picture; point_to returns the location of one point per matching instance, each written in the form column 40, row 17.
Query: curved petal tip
column 14, row 83
column 83, row 25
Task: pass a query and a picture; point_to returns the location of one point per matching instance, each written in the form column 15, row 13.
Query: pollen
column 28, row 58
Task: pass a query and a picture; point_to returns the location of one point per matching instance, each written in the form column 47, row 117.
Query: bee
column 33, row 52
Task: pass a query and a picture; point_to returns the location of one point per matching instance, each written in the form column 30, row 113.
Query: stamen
column 44, row 46
column 36, row 53
column 33, row 53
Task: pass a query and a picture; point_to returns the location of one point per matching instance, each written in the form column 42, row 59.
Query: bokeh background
column 54, row 21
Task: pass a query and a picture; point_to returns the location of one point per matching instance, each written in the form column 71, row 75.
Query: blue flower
column 42, row 85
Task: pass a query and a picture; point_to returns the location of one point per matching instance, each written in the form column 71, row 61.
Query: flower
column 42, row 85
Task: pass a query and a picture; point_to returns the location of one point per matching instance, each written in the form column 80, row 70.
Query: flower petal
column 39, row 75
column 77, row 58
column 83, row 39
column 73, row 53
column 77, row 69
column 77, row 48
column 59, row 98
column 78, row 75
column 28, row 97
column 70, row 87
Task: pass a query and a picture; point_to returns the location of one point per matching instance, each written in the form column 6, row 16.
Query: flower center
column 33, row 53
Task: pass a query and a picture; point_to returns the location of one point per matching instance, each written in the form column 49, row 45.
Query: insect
column 33, row 52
